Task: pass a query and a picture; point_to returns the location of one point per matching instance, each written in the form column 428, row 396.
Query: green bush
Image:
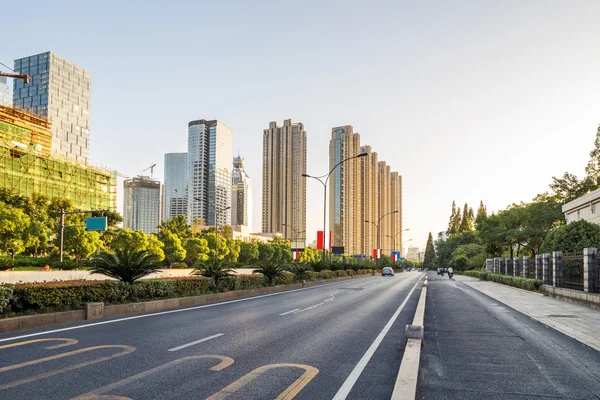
column 516, row 281
column 6, row 295
column 66, row 265
column 25, row 261
column 5, row 264
column 340, row 273
column 476, row 274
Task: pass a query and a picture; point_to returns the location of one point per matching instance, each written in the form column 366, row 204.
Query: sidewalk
column 579, row 322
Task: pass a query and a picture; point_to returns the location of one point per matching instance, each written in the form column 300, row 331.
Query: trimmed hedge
column 6, row 295
column 514, row 281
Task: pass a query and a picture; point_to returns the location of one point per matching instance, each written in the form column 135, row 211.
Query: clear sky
column 468, row 100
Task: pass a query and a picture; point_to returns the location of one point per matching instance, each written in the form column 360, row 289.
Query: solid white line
column 358, row 369
column 183, row 346
column 289, row 312
column 352, row 291
column 166, row 312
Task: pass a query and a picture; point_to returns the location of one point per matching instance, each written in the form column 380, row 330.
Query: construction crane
column 15, row 74
column 151, row 168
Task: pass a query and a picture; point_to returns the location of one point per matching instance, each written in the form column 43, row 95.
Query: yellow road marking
column 107, row 397
column 68, row 342
column 289, row 393
column 225, row 362
column 126, row 350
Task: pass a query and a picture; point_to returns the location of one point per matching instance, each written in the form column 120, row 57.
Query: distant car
column 387, row 271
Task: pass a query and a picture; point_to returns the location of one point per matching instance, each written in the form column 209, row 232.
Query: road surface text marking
column 359, row 368
column 183, row 346
column 68, row 342
column 289, row 393
column 224, row 363
column 125, row 350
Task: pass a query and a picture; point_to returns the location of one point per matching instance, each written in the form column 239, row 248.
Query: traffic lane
column 147, row 357
column 475, row 347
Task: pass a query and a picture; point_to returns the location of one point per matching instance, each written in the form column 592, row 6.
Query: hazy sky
column 468, row 100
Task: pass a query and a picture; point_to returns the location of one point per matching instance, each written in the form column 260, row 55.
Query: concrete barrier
column 99, row 310
column 574, row 296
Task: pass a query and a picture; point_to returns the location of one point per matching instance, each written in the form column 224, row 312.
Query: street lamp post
column 394, row 239
column 378, row 222
column 406, row 241
column 324, row 183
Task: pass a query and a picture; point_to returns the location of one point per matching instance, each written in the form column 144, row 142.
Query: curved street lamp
column 393, row 237
column 324, row 183
column 378, row 221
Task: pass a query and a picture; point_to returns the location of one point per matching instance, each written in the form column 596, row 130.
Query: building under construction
column 26, row 166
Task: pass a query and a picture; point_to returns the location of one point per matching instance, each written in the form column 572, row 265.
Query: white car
column 387, row 271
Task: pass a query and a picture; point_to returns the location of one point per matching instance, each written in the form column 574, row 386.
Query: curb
column 406, row 382
column 95, row 311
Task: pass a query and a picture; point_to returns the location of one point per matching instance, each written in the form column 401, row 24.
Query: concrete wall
column 586, row 207
column 574, row 296
column 49, row 276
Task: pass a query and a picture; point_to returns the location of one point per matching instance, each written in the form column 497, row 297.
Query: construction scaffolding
column 26, row 166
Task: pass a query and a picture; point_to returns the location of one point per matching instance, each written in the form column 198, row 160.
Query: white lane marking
column 358, row 369
column 289, row 312
column 352, row 291
column 165, row 312
column 183, row 346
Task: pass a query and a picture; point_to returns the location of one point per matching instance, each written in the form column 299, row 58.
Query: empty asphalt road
column 342, row 340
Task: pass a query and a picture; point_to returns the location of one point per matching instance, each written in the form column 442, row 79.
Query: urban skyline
column 241, row 195
column 142, row 204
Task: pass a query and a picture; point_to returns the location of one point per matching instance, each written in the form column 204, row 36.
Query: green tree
column 445, row 248
column 176, row 225
column 155, row 247
column 569, row 187
column 13, row 230
column 125, row 265
column 226, row 231
column 429, row 252
column 196, row 250
column 213, row 268
column 265, row 252
column 468, row 256
column 481, row 214
column 128, row 240
column 234, row 250
column 592, row 169
column 466, row 223
column 174, row 251
column 452, row 224
column 310, row 255
column 248, row 252
column 572, row 238
column 36, row 237
column 80, row 243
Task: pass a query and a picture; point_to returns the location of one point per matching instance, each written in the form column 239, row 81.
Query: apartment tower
column 284, row 187
column 345, row 189
column 209, row 172
column 241, row 195
column 175, row 185
column 368, row 204
column 59, row 91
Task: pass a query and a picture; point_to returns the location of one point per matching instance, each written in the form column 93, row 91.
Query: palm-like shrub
column 300, row 271
column 213, row 268
column 6, row 263
column 270, row 270
column 125, row 265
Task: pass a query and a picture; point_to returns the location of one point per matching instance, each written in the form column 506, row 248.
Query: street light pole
column 324, row 183
column 406, row 241
column 379, row 221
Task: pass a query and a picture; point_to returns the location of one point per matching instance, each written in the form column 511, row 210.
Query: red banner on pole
column 376, row 253
column 320, row 238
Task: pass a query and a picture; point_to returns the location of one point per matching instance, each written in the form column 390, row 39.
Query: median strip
column 405, row 387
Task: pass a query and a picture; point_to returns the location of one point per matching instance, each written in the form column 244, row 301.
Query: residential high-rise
column 59, row 91
column 344, row 189
column 364, row 196
column 283, row 186
column 241, row 195
column 5, row 95
column 141, row 204
column 209, row 172
column 175, row 185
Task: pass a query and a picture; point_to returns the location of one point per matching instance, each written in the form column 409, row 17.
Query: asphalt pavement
column 478, row 348
column 342, row 340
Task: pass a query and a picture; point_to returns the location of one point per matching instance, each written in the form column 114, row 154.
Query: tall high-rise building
column 5, row 95
column 241, row 195
column 175, row 185
column 209, row 172
column 283, row 187
column 141, row 204
column 59, row 91
column 368, row 205
column 344, row 189
column 364, row 196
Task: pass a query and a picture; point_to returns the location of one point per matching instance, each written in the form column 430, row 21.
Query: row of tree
column 526, row 228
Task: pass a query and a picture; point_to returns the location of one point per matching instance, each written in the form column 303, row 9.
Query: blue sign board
column 96, row 223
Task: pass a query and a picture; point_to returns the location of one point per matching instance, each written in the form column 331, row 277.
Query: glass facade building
column 60, row 92
column 241, row 195
column 175, row 185
column 141, row 204
column 209, row 172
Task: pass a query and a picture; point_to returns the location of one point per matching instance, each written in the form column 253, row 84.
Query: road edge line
column 406, row 382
